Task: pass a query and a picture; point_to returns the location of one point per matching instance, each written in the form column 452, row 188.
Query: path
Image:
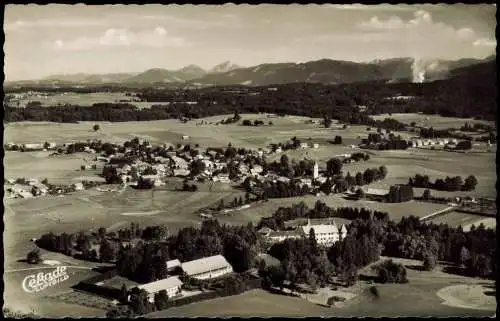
column 443, row 211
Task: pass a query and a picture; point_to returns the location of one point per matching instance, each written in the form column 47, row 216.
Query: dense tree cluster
column 361, row 247
column 451, row 184
column 377, row 141
column 400, row 193
column 320, row 210
column 302, row 262
column 475, row 251
column 147, row 261
column 256, row 122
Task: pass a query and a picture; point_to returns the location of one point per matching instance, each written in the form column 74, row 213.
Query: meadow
column 87, row 99
column 435, row 121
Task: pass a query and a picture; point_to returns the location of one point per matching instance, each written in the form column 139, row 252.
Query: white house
column 256, row 169
column 181, row 172
column 326, row 234
column 315, row 145
column 280, row 236
column 185, row 137
column 207, row 268
column 171, row 284
column 33, row 146
column 304, row 145
column 179, row 162
column 78, row 186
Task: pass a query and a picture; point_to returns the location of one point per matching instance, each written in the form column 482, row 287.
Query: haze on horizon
column 68, row 39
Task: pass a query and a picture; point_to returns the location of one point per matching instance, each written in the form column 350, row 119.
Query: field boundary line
column 50, row 267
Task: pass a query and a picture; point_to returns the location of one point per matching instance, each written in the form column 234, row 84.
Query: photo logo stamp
column 40, row 281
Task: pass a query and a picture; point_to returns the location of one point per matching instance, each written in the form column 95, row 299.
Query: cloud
column 485, row 43
column 423, row 34
column 20, row 25
column 362, row 7
column 120, row 37
column 375, row 23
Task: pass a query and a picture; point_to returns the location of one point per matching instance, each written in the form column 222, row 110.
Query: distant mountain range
column 320, row 71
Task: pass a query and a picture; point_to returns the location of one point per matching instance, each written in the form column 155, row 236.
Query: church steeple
column 315, row 170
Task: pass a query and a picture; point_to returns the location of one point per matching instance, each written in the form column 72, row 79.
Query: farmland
column 83, row 99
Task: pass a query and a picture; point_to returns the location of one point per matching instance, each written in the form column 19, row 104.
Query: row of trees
column 451, row 184
column 256, row 122
column 146, row 261
column 474, row 252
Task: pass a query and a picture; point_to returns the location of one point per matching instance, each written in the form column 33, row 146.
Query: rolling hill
column 325, row 71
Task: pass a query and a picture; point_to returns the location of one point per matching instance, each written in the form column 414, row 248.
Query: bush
column 390, row 272
column 33, row 257
column 430, row 262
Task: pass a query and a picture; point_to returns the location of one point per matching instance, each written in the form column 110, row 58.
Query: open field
column 18, row 300
column 436, row 121
column 85, row 99
column 455, row 219
column 57, row 169
column 395, row 210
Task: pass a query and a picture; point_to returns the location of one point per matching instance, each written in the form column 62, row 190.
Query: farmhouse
column 179, row 163
column 207, row 268
column 34, row 146
column 172, row 285
column 280, row 236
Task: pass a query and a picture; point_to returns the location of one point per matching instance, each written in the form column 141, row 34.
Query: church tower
column 315, row 171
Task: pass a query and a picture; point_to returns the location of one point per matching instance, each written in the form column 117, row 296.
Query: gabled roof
column 205, row 264
column 173, row 263
column 159, row 285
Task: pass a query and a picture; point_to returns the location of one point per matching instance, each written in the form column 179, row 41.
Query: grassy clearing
column 455, row 219
column 435, row 121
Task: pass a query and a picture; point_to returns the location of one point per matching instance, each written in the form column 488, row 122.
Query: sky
column 67, row 39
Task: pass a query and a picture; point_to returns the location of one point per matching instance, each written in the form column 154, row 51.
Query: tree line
column 451, row 184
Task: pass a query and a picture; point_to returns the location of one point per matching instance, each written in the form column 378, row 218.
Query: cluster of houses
column 443, row 142
column 32, row 187
column 206, row 268
column 326, row 233
column 31, row 146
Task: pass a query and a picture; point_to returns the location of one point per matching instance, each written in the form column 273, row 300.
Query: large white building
column 171, row 284
column 326, row 234
column 207, row 268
